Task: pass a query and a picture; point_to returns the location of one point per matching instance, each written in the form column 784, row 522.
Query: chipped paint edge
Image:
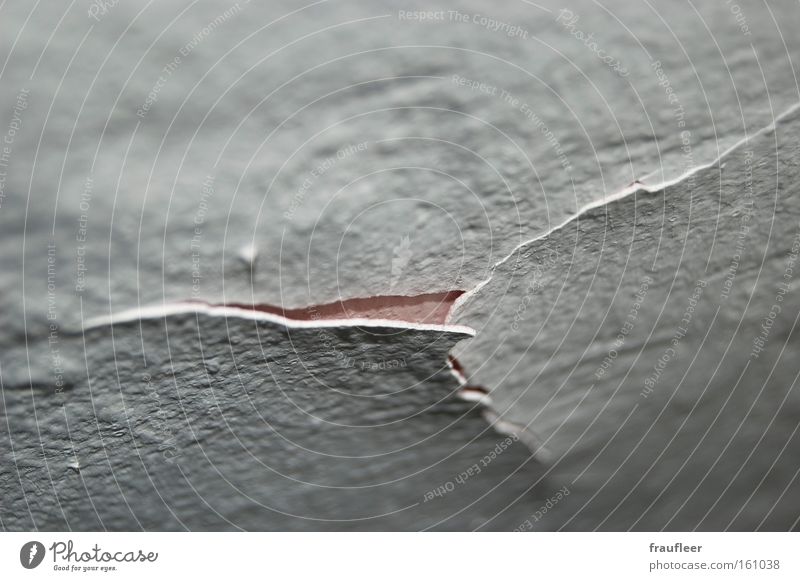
column 171, row 309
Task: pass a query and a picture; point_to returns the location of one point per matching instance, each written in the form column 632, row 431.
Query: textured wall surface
column 612, row 186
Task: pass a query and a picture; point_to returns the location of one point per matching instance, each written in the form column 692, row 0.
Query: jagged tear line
column 289, row 318
column 632, row 190
column 480, row 396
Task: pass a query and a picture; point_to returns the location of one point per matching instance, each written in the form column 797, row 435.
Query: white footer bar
column 400, row 556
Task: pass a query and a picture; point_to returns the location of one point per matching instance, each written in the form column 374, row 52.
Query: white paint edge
column 162, row 311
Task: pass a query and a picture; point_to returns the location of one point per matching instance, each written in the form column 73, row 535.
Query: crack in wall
column 430, row 308
column 635, row 188
column 429, row 311
column 288, row 318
